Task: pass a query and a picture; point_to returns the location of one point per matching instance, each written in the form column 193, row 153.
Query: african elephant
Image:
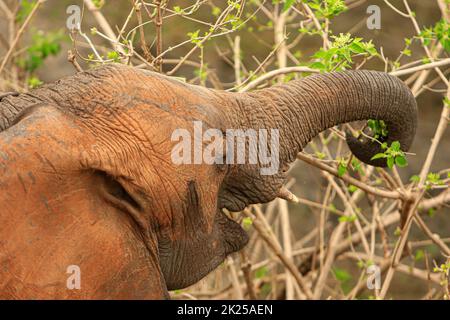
column 86, row 176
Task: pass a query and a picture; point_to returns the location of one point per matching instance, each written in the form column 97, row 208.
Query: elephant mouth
column 181, row 263
column 234, row 236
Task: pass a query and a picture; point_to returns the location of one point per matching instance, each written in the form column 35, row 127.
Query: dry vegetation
column 362, row 216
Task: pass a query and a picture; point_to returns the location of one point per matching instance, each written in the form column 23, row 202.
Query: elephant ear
column 54, row 213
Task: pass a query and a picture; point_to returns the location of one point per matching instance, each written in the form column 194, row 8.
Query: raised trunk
column 303, row 108
column 306, row 107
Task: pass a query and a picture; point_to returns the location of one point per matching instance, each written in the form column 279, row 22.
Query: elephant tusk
column 285, row 194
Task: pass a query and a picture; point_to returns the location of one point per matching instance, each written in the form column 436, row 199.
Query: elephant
column 87, row 180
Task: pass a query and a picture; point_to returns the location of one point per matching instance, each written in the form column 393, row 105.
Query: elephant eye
column 116, row 193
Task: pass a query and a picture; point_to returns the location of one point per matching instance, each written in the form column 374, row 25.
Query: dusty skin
column 86, row 177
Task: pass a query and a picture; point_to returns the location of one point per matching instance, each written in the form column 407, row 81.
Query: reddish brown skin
column 64, row 221
column 86, row 176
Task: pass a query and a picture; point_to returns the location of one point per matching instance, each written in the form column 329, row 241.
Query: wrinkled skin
column 87, row 178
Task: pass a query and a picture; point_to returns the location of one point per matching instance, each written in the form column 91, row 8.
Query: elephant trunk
column 303, row 108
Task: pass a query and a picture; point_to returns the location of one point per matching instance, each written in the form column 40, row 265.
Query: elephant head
column 88, row 177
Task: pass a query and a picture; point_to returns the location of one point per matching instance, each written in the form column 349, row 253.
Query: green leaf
column 434, row 179
column 349, row 219
column 414, row 178
column 113, row 55
column 34, row 82
column 25, row 9
column 98, row 3
column 390, row 162
column 247, row 223
column 407, row 52
column 341, row 275
column 343, row 47
column 317, row 65
column 356, row 164
column 395, row 146
column 401, row 161
column 261, row 272
column 42, row 45
column 342, row 169
column 378, row 156
column 288, row 4
column 216, row 11
column 320, row 155
column 357, row 48
column 420, row 255
column 431, row 212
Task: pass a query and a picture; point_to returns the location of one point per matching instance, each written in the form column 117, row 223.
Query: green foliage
column 320, row 155
column 419, row 255
column 433, row 179
column 114, row 56
column 202, row 72
column 342, row 167
column 356, row 165
column 341, row 275
column 444, row 268
column 364, row 264
column 393, row 155
column 288, row 4
column 444, row 271
column 378, row 128
column 332, row 208
column 341, row 53
column 215, row 11
column 42, row 46
column 194, row 37
column 447, row 102
column 440, row 31
column 98, row 3
column 351, row 218
column 309, row 32
column 26, row 6
column 247, row 223
column 326, row 8
column 178, row 9
column 261, row 272
column 34, row 82
column 344, row 278
column 431, row 212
